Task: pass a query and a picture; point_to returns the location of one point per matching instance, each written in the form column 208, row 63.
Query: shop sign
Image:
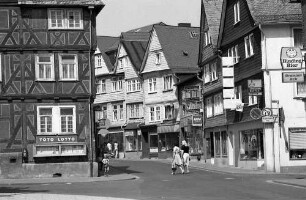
column 129, row 133
column 255, row 91
column 255, row 87
column 197, row 120
column 291, row 58
column 293, row 77
column 56, row 138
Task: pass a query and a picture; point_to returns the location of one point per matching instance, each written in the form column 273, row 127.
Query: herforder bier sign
column 291, row 58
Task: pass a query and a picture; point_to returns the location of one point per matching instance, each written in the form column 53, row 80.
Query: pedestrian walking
column 109, row 147
column 105, row 162
column 185, row 156
column 116, row 149
column 176, row 162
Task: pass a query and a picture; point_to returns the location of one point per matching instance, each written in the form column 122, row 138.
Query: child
column 105, row 162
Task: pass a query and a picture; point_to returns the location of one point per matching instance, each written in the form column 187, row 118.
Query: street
column 156, row 182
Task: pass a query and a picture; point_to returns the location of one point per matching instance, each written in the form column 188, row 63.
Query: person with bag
column 185, row 156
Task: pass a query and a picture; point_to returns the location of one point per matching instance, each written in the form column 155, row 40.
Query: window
column 102, row 114
column 168, row 82
column 301, row 89
column 206, row 73
column 122, row 62
column 207, row 39
column 209, row 108
column 98, row 61
column 217, row 143
column 224, row 143
column 68, row 66
column 218, row 104
column 0, row 67
column 154, row 113
column 101, row 87
column 253, row 100
column 117, row 112
column 251, row 144
column 236, row 12
column 56, row 119
column 298, row 37
column 213, row 69
column 169, row 111
column 233, row 52
column 65, row 19
column 44, row 67
column 249, row 45
column 158, row 58
column 297, row 143
column 134, row 110
column 133, row 85
column 117, row 83
column 152, row 85
column 238, row 92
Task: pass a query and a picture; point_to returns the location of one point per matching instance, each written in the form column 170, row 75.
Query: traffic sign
column 267, row 119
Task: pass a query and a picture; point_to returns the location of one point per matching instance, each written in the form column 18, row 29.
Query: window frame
column 213, row 72
column 0, row 67
column 117, row 83
column 236, row 12
column 207, row 76
column 158, row 58
column 168, row 82
column 101, row 86
column 207, row 39
column 249, row 45
column 153, row 82
column 154, row 113
column 209, row 107
column 253, row 100
column 169, row 112
column 76, row 66
column 65, row 20
column 118, row 111
column 133, row 85
column 233, row 52
column 218, row 104
column 37, row 63
column 293, row 38
column 134, row 110
column 99, row 61
column 56, row 120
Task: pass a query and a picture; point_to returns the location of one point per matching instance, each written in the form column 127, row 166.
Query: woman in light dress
column 177, row 161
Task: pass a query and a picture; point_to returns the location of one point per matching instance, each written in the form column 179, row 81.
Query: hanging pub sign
column 291, row 58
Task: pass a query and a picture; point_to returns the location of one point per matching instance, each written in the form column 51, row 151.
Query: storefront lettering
column 51, row 139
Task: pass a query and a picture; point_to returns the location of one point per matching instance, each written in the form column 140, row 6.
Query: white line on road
column 277, row 183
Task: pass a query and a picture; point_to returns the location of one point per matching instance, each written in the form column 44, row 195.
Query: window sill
column 67, row 80
column 299, row 97
column 42, row 80
column 169, row 90
column 251, row 56
column 152, row 92
column 61, row 29
column 236, row 23
column 132, row 91
column 252, row 104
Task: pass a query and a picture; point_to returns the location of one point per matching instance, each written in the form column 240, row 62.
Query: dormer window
column 236, row 12
column 207, row 39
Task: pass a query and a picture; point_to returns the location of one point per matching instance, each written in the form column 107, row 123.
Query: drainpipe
column 203, row 114
column 91, row 138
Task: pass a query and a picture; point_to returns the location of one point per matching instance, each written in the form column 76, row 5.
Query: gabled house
column 210, row 64
column 105, row 59
column 47, row 87
column 171, row 52
column 253, row 34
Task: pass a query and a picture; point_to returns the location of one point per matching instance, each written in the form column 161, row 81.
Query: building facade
column 47, row 87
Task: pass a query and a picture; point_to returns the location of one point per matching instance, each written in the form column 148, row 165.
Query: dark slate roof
column 147, row 28
column 108, row 47
column 180, row 46
column 213, row 10
column 135, row 36
column 185, row 78
column 275, row 11
column 136, row 52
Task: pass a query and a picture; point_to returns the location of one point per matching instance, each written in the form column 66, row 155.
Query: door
column 153, row 141
column 145, row 145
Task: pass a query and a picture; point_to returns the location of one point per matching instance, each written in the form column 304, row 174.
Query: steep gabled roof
column 136, row 52
column 180, row 46
column 213, row 9
column 147, row 28
column 135, row 36
column 275, row 11
column 108, row 47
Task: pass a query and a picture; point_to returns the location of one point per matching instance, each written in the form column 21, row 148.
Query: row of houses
column 221, row 87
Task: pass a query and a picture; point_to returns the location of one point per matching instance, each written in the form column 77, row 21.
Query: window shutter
column 297, row 140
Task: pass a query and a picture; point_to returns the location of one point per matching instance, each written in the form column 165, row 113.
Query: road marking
column 295, row 186
column 45, row 184
column 229, row 178
column 68, row 183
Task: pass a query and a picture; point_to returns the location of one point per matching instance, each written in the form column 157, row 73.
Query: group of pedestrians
column 180, row 158
column 106, row 153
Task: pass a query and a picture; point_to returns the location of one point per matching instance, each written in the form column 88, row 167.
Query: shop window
column 167, row 141
column 217, row 143
column 130, row 140
column 224, row 143
column 56, row 119
column 297, row 141
column 251, row 144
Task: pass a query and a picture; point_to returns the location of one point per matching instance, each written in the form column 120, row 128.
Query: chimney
column 184, row 24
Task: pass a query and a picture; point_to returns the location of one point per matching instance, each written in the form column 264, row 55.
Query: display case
column 49, row 150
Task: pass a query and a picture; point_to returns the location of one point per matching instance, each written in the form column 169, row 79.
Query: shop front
column 132, row 141
column 168, row 137
column 149, row 140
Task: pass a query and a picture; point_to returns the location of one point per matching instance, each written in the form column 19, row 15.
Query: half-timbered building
column 47, row 87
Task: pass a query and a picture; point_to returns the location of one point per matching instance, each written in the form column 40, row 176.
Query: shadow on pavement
column 11, row 191
column 115, row 170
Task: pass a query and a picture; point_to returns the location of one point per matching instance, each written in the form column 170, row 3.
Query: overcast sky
column 122, row 15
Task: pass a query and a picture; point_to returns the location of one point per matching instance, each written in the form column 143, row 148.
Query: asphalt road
column 156, row 182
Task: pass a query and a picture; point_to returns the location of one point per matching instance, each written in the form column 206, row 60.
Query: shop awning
column 103, row 132
column 168, row 128
column 131, row 126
